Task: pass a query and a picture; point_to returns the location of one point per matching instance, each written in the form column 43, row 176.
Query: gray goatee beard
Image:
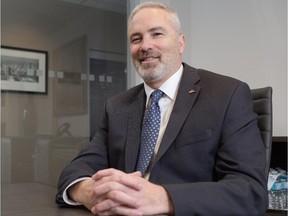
column 151, row 75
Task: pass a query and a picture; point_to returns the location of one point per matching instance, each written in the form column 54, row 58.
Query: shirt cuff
column 65, row 194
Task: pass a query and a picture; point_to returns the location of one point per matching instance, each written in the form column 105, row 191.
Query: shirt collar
column 170, row 87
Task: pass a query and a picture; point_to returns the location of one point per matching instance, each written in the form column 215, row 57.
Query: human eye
column 135, row 39
column 157, row 34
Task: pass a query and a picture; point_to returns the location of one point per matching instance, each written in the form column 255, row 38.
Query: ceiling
column 112, row 5
column 49, row 15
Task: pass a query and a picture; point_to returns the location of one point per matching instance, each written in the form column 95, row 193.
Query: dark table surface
column 31, row 199
column 276, row 213
column 34, row 199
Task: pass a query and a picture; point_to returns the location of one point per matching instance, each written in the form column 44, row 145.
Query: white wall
column 244, row 39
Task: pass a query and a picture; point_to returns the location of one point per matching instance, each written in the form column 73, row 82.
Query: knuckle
column 113, row 195
column 112, row 186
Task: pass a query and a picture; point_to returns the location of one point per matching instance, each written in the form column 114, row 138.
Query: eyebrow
column 154, row 29
column 159, row 28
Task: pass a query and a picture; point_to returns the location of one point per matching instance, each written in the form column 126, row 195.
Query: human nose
column 146, row 44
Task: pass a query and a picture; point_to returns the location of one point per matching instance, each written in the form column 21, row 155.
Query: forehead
column 148, row 18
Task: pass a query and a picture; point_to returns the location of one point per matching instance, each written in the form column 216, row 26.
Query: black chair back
column 262, row 99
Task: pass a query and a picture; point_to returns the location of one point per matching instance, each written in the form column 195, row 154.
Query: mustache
column 148, row 54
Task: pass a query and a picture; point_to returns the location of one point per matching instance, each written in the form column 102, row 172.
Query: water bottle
column 283, row 194
column 277, row 189
column 274, row 194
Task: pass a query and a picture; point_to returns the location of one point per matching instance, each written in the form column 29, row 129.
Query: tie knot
column 156, row 95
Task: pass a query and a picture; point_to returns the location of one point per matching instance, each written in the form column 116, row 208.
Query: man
column 209, row 158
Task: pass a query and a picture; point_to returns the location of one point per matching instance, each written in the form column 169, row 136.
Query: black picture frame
column 24, row 70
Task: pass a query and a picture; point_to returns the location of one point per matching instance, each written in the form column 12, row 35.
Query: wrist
column 77, row 191
column 165, row 205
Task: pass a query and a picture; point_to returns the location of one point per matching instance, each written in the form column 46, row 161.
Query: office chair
column 262, row 99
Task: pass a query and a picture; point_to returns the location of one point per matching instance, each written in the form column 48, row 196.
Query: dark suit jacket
column 211, row 159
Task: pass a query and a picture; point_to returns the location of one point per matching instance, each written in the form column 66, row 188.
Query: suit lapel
column 186, row 97
column 135, row 116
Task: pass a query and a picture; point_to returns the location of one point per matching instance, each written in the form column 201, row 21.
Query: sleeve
column 92, row 158
column 65, row 194
column 241, row 187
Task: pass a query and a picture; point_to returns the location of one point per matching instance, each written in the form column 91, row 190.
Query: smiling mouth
column 148, row 59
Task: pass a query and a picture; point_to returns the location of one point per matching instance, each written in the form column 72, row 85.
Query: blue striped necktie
column 149, row 133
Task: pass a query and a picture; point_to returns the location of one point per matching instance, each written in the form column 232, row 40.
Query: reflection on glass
column 40, row 134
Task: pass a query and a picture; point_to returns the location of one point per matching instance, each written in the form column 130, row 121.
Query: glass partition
column 42, row 130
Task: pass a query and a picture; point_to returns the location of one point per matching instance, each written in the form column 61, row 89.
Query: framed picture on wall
column 23, row 70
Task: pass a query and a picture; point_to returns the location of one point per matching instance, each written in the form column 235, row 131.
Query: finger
column 130, row 181
column 112, row 175
column 107, row 187
column 137, row 173
column 117, row 193
column 105, row 206
column 106, row 172
column 120, row 210
column 114, row 199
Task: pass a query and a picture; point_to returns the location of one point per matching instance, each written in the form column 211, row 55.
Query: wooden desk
column 33, row 199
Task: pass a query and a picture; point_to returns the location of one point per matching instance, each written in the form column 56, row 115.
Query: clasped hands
column 113, row 192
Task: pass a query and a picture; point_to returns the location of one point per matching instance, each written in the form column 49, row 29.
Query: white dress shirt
column 166, row 104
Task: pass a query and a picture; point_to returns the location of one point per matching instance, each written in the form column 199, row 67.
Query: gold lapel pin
column 191, row 91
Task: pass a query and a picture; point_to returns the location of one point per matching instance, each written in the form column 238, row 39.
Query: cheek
column 133, row 52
